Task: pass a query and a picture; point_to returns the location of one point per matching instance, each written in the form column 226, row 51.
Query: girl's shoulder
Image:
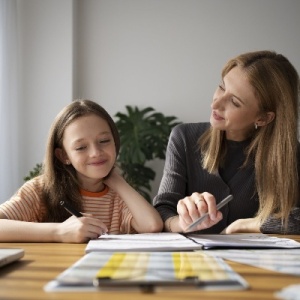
column 26, row 204
column 36, row 183
column 32, row 188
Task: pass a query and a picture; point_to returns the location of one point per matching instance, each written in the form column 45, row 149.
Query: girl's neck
column 96, row 187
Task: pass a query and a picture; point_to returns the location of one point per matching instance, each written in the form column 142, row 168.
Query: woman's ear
column 62, row 156
column 266, row 119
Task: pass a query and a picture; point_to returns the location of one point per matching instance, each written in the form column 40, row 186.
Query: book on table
column 166, row 241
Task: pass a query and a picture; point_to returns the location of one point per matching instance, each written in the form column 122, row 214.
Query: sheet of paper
column 291, row 292
column 287, row 261
column 164, row 241
column 243, row 240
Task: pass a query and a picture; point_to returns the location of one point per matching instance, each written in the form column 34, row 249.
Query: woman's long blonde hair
column 273, row 147
column 60, row 180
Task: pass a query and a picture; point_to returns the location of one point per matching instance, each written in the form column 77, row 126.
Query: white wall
column 169, row 53
column 161, row 53
column 46, row 53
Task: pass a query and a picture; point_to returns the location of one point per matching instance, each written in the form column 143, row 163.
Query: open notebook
column 166, row 241
column 8, row 256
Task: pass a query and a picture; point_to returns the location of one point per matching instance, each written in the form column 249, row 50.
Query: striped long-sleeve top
column 27, row 205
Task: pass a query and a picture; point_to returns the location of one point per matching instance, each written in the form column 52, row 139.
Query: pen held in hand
column 73, row 211
column 199, row 220
column 70, row 209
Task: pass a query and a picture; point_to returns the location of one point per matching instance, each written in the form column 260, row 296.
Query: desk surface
column 43, row 262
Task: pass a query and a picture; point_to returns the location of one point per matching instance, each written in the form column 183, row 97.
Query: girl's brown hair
column 60, row 179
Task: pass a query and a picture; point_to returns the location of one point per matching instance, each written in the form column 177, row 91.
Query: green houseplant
column 34, row 172
column 144, row 136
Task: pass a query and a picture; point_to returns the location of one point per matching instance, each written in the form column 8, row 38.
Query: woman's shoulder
column 198, row 125
column 190, row 130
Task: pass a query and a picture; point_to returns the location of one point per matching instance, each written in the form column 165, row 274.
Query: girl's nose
column 95, row 150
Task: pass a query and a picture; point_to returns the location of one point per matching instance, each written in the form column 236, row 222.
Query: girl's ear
column 266, row 119
column 62, row 156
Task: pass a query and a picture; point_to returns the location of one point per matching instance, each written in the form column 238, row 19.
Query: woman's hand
column 80, row 230
column 193, row 207
column 251, row 225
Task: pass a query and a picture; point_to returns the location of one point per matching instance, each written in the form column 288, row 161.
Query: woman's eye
column 236, row 104
column 221, row 87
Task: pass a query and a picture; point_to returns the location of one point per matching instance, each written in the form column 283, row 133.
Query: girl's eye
column 104, row 141
column 80, row 148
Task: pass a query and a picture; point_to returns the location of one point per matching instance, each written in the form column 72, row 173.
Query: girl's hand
column 80, row 230
column 114, row 178
column 193, row 207
column 145, row 218
column 251, row 225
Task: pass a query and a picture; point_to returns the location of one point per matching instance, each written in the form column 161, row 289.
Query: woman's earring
column 255, row 126
column 68, row 162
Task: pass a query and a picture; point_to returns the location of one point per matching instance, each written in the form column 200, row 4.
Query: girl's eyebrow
column 99, row 135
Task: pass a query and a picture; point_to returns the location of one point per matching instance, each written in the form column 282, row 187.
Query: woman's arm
column 172, row 187
column 271, row 226
column 274, row 225
column 145, row 217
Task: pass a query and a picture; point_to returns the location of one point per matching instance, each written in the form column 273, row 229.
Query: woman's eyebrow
column 238, row 98
column 223, row 83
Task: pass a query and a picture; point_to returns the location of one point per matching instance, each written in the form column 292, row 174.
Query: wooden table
column 43, row 262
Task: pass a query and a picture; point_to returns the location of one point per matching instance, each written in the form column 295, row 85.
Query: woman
column 249, row 149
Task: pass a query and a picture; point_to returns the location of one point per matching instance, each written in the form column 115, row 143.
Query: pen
column 219, row 205
column 70, row 209
column 73, row 211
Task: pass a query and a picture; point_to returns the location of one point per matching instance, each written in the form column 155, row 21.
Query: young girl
column 78, row 169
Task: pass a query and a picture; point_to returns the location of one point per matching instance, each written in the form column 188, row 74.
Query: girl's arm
column 145, row 216
column 73, row 230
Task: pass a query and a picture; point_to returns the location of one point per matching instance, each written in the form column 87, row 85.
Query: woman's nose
column 218, row 103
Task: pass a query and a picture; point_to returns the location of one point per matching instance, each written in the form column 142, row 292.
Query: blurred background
column 167, row 54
